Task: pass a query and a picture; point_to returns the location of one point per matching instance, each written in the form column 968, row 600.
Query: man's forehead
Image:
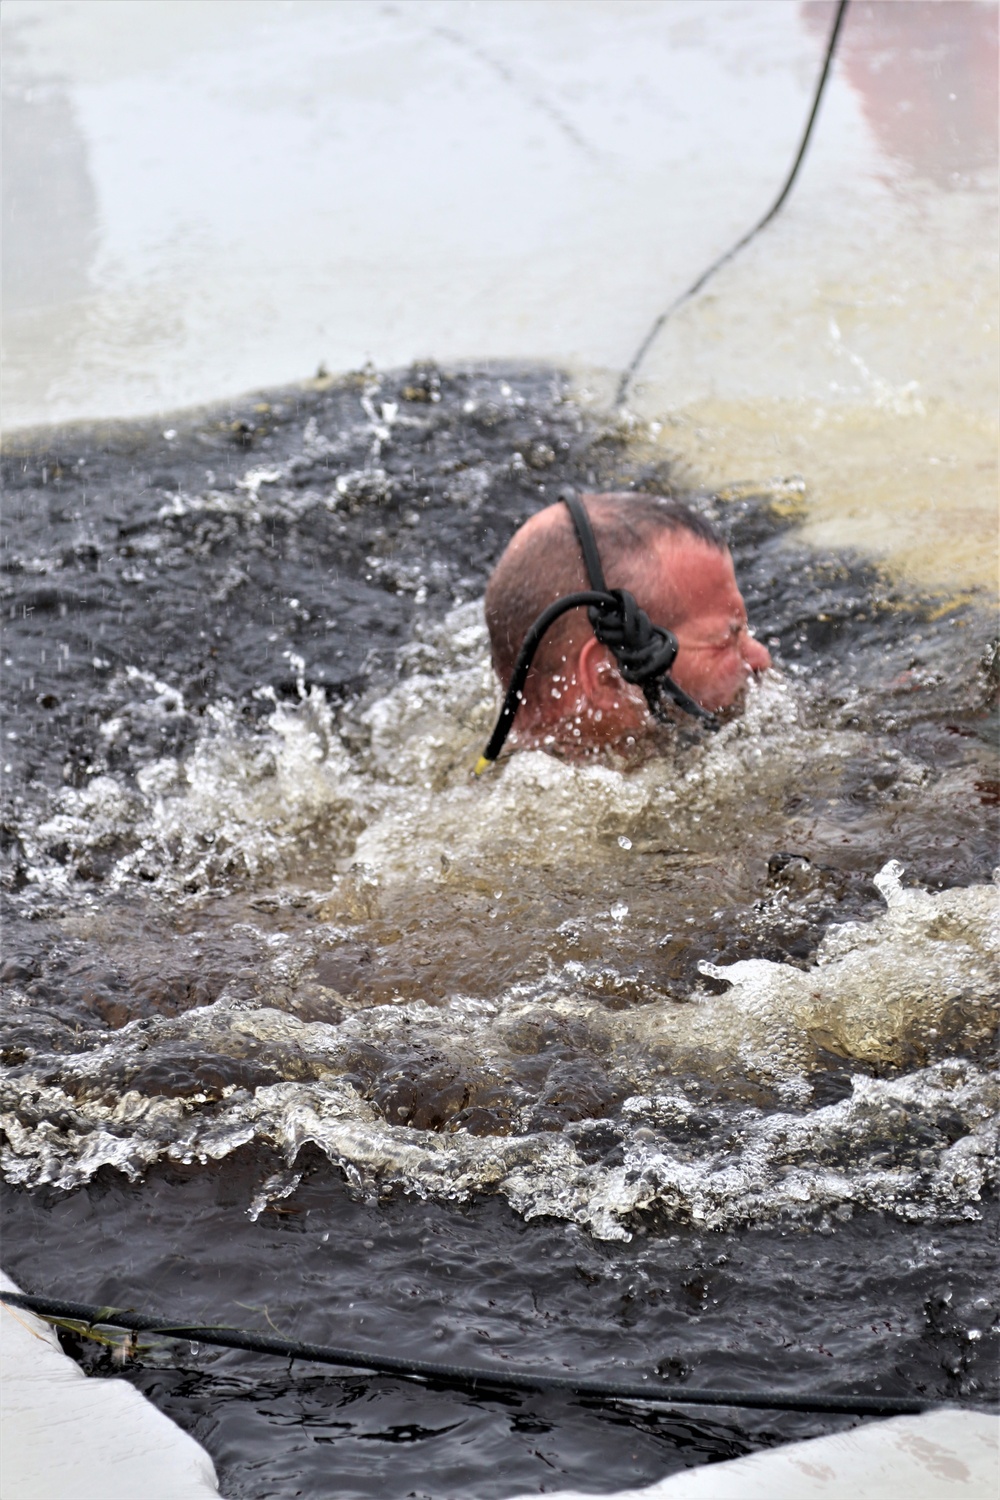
column 694, row 576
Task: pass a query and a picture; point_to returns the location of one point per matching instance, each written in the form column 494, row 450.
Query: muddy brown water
column 685, row 1068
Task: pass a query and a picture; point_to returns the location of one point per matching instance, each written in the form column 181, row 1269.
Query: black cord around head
column 585, row 536
column 644, row 652
column 522, row 666
column 617, row 620
column 696, row 286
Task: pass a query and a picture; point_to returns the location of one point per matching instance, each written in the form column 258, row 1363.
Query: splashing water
column 586, row 1074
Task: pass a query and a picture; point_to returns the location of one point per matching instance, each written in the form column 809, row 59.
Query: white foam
column 767, row 1165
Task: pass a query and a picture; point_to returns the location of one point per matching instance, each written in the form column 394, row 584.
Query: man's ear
column 599, row 678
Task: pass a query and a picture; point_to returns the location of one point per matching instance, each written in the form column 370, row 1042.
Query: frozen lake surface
column 201, row 200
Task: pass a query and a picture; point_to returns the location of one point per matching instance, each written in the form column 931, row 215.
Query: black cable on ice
column 705, row 276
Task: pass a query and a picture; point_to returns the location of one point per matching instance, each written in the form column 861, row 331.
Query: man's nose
column 756, row 656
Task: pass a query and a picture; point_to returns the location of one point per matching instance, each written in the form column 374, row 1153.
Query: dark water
column 862, row 1307
column 302, row 1029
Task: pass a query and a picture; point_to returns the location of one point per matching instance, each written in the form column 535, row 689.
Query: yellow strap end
column 482, row 764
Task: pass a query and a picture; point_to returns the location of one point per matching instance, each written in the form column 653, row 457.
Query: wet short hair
column 625, row 526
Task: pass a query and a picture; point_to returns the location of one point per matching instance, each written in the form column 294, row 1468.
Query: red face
column 717, row 656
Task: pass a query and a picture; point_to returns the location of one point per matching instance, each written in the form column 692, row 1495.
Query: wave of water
column 891, row 1144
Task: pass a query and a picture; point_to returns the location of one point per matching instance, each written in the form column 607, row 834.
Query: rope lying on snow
column 464, row 1376
column 705, row 276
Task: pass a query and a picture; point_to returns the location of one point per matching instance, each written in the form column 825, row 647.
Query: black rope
column 641, row 648
column 706, row 276
column 585, row 536
column 644, row 652
column 468, row 1377
column 522, row 666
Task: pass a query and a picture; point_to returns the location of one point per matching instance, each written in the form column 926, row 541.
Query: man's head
column 680, row 571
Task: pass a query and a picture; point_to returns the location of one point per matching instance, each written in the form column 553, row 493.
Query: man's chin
column 727, row 705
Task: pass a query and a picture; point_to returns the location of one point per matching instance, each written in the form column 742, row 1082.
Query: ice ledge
column 68, row 1437
column 940, row 1455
